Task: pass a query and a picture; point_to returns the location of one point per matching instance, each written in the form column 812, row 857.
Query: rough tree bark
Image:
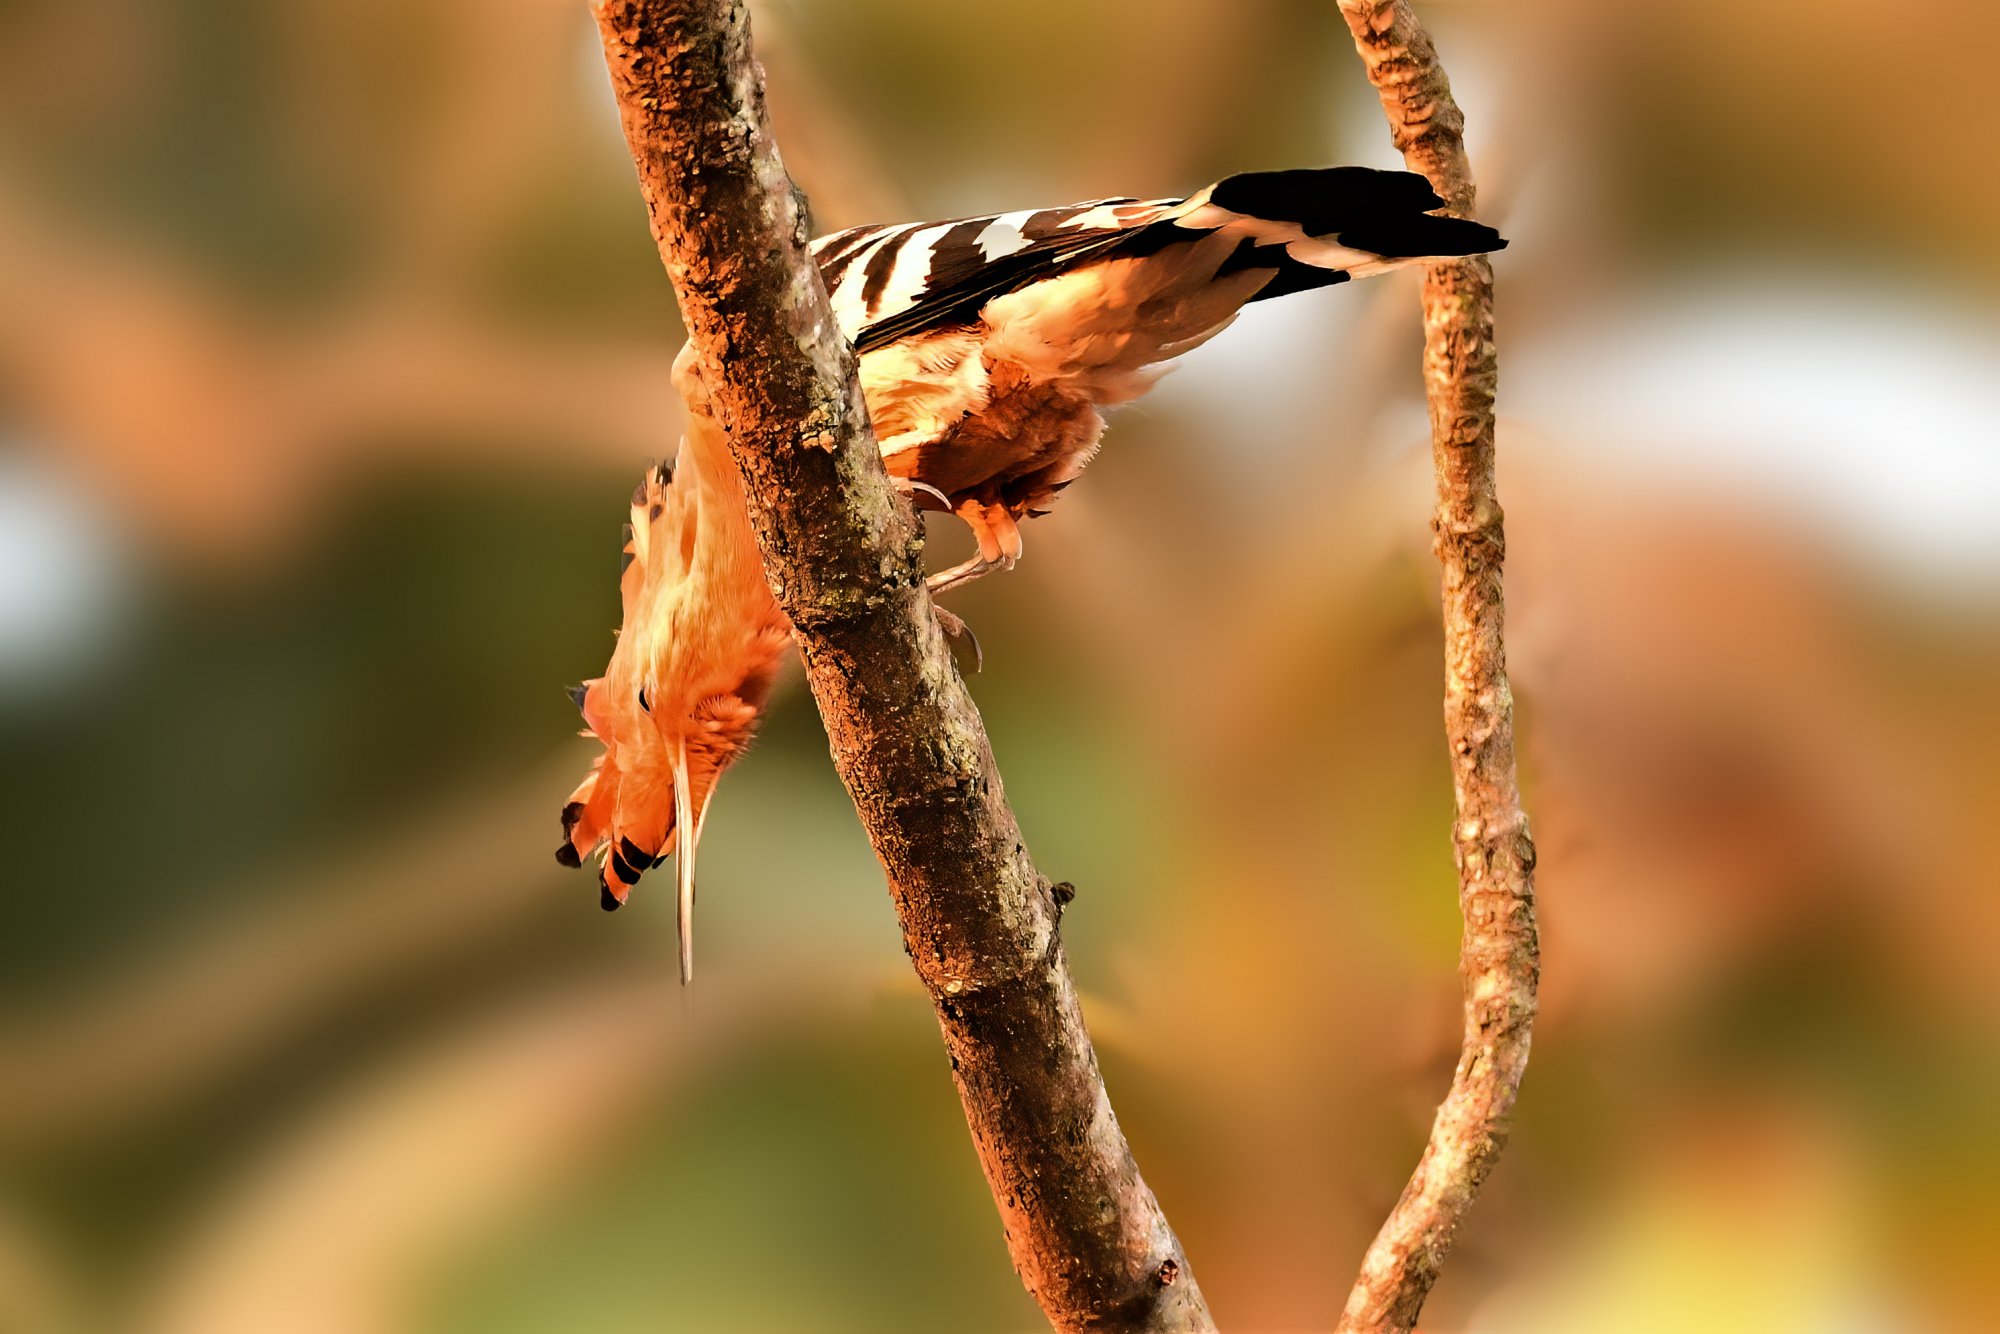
column 841, row 550
column 1499, row 957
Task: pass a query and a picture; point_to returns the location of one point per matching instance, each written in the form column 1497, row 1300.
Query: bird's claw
column 910, row 486
column 958, row 632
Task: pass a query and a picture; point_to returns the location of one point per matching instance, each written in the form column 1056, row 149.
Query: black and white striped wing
column 1311, row 227
column 887, row 283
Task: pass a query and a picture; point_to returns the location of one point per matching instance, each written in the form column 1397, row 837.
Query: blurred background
column 331, row 343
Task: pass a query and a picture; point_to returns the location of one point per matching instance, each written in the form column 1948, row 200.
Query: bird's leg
column 999, row 545
column 916, row 491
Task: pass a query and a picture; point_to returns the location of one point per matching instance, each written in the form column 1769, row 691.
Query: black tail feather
column 1423, row 235
column 1385, row 213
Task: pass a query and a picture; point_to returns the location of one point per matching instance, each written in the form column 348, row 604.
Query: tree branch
column 1499, row 956
column 978, row 920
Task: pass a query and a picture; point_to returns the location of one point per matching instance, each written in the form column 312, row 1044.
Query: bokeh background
column 331, row 342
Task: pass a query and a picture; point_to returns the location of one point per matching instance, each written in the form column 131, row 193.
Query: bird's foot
column 964, row 573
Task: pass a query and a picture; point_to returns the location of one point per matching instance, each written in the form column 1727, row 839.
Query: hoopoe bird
column 988, row 349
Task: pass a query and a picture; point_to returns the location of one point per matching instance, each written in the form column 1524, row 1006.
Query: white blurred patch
column 1863, row 412
column 63, row 587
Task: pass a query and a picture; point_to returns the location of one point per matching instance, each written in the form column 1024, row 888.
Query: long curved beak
column 689, row 839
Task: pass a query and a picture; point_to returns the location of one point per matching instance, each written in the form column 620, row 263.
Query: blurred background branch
column 1500, row 954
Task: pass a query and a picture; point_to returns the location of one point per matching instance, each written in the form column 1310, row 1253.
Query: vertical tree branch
column 1499, row 958
column 979, row 921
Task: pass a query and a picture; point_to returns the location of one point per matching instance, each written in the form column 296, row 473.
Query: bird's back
column 988, row 345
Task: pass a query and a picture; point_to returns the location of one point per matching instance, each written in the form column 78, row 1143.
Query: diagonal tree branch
column 979, row 921
column 1499, row 958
